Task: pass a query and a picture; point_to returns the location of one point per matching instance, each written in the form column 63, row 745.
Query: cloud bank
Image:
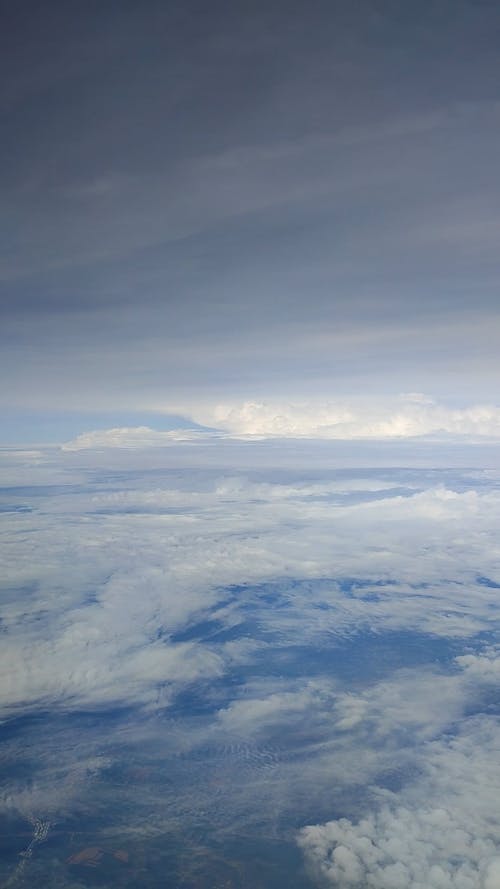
column 134, row 437
column 409, row 417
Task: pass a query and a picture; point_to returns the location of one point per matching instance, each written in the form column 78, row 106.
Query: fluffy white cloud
column 409, row 416
column 441, row 832
column 484, row 667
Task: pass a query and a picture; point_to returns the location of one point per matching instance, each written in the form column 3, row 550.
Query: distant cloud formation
column 133, row 437
column 408, row 417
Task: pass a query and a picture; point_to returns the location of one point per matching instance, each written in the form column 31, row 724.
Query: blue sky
column 268, row 203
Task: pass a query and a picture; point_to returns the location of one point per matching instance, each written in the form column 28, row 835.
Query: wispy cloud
column 135, row 437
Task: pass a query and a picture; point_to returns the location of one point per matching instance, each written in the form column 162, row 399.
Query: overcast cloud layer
column 265, row 202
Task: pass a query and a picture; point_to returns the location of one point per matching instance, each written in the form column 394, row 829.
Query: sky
column 265, row 218
column 249, row 410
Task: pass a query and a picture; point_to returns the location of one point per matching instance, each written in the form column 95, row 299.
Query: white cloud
column 94, row 576
column 420, row 703
column 115, row 590
column 251, row 715
column 441, row 832
column 483, row 667
column 410, row 416
column 240, row 489
column 133, row 437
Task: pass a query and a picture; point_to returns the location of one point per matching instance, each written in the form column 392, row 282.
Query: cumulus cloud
column 483, row 667
column 410, row 416
column 441, row 832
column 413, row 415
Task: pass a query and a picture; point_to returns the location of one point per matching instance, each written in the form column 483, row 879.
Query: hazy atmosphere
column 211, row 204
column 249, row 447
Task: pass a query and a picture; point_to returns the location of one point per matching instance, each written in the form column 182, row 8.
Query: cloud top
column 408, row 417
column 442, row 832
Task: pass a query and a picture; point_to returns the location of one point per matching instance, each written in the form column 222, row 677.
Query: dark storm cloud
column 185, row 180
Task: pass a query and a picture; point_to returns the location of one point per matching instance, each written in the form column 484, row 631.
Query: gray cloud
column 252, row 200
